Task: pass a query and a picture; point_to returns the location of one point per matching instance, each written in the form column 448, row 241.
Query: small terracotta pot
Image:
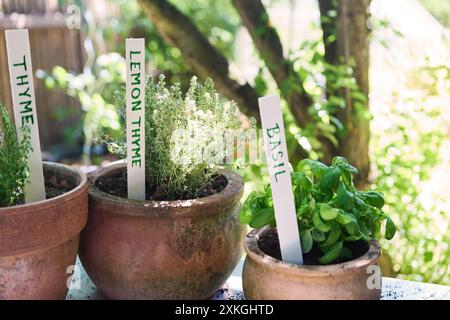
column 266, row 278
column 161, row 249
column 39, row 241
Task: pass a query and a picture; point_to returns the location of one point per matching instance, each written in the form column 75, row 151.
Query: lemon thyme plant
column 331, row 212
column 13, row 161
column 184, row 136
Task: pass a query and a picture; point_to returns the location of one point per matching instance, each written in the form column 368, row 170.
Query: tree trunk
column 206, row 61
column 351, row 47
column 266, row 40
column 202, row 58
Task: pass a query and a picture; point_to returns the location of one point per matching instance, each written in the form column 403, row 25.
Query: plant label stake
column 24, row 106
column 280, row 178
column 135, row 92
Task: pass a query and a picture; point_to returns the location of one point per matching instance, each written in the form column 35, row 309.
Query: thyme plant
column 13, row 161
column 184, row 137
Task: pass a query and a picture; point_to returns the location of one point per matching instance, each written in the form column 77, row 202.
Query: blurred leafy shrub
column 409, row 146
column 217, row 20
column 439, row 9
column 94, row 89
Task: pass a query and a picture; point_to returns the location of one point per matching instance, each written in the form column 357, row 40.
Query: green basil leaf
column 330, row 178
column 305, row 182
column 312, row 204
column 333, row 237
column 273, row 222
column 245, row 217
column 352, row 238
column 374, row 198
column 347, row 178
column 332, row 254
column 345, row 217
column 267, row 201
column 262, row 218
column 351, row 169
column 346, row 253
column 317, row 235
column 299, row 195
column 364, row 232
column 357, row 214
column 306, row 241
column 338, row 160
column 352, row 228
column 303, row 210
column 390, row 229
column 327, row 196
column 344, row 198
column 319, row 224
column 300, row 179
column 360, row 203
column 342, row 163
column 295, row 176
column 376, row 227
column 327, row 212
column 316, row 167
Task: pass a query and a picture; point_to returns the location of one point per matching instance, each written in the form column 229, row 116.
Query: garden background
column 365, row 79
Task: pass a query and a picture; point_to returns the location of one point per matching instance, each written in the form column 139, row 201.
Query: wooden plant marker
column 24, row 106
column 280, row 178
column 135, row 124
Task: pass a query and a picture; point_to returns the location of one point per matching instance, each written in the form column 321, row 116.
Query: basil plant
column 331, row 212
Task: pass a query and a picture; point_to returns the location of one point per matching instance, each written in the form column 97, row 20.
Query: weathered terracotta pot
column 161, row 249
column 39, row 241
column 266, row 278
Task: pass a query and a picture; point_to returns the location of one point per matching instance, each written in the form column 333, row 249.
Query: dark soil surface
column 51, row 191
column 116, row 185
column 270, row 245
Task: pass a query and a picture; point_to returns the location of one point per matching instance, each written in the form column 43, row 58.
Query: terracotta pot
column 266, row 278
column 39, row 241
column 161, row 249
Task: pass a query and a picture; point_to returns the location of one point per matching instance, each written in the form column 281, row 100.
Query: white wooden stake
column 135, row 84
column 280, row 178
column 24, row 106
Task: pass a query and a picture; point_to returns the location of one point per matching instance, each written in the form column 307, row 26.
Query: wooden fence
column 52, row 43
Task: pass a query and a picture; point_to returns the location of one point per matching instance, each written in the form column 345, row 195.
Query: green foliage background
column 413, row 147
column 440, row 9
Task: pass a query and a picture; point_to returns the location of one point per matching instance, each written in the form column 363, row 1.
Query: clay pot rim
column 24, row 208
column 224, row 199
column 257, row 255
column 43, row 224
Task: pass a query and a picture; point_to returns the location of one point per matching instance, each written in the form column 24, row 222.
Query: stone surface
column 82, row 288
